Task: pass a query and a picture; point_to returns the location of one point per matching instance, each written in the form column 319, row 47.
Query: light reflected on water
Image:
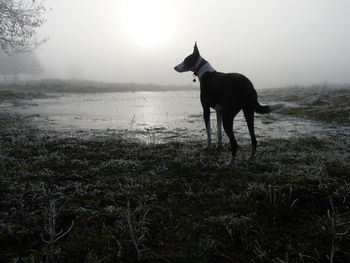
column 156, row 115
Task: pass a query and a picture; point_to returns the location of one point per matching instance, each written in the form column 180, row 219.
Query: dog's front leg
column 206, row 115
column 219, row 127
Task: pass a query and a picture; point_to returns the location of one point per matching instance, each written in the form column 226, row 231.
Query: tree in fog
column 25, row 65
column 19, row 20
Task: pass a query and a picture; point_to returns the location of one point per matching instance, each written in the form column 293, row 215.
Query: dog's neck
column 202, row 66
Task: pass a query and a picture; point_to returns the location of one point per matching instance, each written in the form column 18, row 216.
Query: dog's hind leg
column 249, row 117
column 228, row 127
column 219, row 127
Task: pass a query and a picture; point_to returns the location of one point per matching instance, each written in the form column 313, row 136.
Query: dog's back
column 227, row 90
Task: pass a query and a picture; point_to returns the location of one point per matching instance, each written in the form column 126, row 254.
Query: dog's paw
column 231, row 163
column 206, row 148
column 219, row 147
column 250, row 159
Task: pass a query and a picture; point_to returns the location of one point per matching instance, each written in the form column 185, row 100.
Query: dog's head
column 190, row 62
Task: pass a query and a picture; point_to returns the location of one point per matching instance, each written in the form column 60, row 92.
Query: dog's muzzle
column 180, row 68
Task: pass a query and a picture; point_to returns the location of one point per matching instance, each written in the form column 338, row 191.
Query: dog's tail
column 267, row 108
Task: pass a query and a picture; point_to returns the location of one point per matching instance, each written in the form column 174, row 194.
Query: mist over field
column 274, row 43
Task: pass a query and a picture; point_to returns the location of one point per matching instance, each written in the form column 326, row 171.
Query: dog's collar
column 199, row 64
column 202, row 66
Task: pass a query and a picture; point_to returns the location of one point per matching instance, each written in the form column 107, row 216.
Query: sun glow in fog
column 147, row 22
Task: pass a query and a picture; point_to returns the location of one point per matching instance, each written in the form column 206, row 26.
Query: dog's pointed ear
column 195, row 49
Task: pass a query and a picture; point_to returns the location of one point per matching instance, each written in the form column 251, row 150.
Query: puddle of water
column 151, row 116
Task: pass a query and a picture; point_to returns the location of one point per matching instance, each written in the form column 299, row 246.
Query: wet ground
column 151, row 116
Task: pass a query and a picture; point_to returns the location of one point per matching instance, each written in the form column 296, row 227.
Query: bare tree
column 19, row 20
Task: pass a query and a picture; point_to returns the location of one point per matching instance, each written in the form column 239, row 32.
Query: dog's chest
column 210, row 97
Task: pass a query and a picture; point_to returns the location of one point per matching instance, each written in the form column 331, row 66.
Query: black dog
column 227, row 93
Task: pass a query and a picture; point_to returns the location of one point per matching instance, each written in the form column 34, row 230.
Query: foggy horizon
column 271, row 42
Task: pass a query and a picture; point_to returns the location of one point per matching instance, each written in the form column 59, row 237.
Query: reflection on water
column 164, row 115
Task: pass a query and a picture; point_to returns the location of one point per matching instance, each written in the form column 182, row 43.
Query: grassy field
column 332, row 108
column 83, row 86
column 102, row 198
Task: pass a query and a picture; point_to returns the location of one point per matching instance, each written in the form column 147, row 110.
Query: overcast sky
column 273, row 42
